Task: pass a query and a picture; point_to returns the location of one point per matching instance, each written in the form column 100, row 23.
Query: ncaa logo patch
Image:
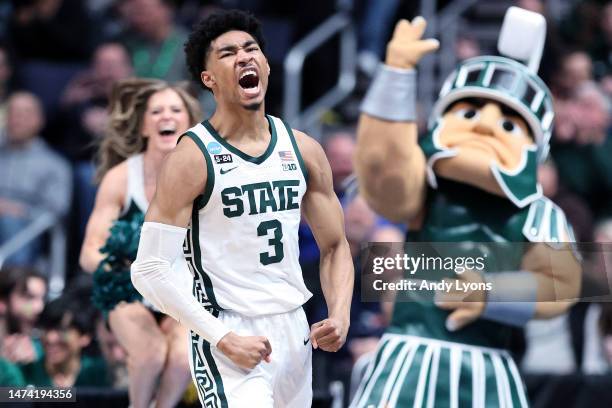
column 214, row 148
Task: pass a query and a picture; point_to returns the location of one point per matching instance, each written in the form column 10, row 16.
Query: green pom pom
column 111, row 288
column 124, row 237
column 112, row 281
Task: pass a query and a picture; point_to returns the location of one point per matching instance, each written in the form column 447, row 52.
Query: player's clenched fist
column 245, row 351
column 406, row 47
column 328, row 334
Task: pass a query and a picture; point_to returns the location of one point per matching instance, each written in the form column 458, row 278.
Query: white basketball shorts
column 284, row 382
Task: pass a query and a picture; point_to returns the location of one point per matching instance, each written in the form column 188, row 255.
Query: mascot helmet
column 511, row 83
column 506, row 80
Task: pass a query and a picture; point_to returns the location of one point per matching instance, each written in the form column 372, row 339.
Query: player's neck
column 240, row 123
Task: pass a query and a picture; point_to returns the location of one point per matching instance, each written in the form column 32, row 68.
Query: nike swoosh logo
column 223, row 171
column 306, row 341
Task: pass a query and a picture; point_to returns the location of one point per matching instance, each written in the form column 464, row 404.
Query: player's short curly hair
column 207, row 30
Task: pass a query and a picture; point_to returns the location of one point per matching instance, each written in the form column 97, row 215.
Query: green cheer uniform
column 418, row 362
column 112, row 281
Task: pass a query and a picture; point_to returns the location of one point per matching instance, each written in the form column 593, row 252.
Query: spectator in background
column 594, row 323
column 592, row 117
column 582, row 147
column 22, row 298
column 110, row 63
column 339, row 148
column 553, row 46
column 51, row 30
column 68, row 326
column 34, row 179
column 10, row 374
column 374, row 32
column 83, row 118
column 577, row 210
column 6, row 72
column 154, row 41
column 368, row 320
column 576, row 68
column 600, row 51
column 467, row 46
column 580, row 25
column 114, row 355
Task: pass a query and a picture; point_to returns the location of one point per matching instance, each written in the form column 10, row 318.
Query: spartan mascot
column 470, row 180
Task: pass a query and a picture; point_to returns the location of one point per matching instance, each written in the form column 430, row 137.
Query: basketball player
column 230, row 196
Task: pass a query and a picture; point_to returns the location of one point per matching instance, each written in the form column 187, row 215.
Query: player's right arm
column 181, row 179
column 389, row 163
column 106, row 210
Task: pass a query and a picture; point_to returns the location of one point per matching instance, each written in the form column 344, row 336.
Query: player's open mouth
column 167, row 130
column 249, row 82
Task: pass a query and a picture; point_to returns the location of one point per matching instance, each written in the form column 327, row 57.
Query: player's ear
column 268, row 65
column 207, row 78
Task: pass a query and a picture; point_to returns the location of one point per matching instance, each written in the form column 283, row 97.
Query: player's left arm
column 322, row 210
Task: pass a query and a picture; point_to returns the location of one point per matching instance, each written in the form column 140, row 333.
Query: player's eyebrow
column 233, row 47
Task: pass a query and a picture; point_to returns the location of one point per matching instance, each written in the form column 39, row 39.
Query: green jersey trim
column 213, row 367
column 297, row 151
column 203, row 199
column 196, row 259
column 206, row 391
column 240, row 153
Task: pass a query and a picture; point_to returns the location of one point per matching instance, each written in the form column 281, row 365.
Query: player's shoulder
column 315, row 160
column 310, row 149
column 189, row 148
column 185, row 164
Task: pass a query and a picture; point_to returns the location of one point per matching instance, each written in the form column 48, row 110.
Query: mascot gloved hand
column 407, row 47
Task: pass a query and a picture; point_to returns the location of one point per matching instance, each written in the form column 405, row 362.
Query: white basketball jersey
column 242, row 243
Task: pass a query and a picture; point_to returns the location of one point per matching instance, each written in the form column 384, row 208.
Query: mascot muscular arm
column 390, row 164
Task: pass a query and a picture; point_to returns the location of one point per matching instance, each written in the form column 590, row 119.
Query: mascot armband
column 392, row 95
column 512, row 298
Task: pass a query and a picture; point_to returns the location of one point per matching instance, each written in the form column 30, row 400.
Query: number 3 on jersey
column 266, row 258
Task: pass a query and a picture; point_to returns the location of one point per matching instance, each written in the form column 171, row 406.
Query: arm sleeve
column 160, row 245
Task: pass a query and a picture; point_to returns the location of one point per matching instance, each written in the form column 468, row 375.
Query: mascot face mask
column 493, row 115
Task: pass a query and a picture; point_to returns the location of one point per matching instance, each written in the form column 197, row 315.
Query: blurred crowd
column 58, row 62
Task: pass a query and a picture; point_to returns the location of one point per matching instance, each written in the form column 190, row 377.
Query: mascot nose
column 483, row 129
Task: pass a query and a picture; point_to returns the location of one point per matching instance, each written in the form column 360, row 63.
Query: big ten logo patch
column 289, row 166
